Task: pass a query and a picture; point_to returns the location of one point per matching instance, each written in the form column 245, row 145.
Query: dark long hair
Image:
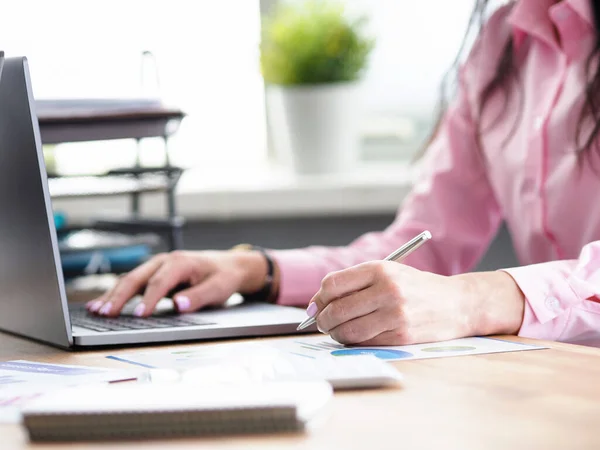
column 506, row 71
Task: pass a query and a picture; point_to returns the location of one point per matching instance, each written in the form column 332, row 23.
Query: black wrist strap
column 264, row 294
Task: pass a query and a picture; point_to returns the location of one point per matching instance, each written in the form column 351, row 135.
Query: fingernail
column 105, row 309
column 96, row 305
column 312, row 309
column 320, row 329
column 183, row 303
column 139, row 310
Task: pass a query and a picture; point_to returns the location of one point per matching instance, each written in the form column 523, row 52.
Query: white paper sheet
column 313, row 347
column 21, row 381
column 324, row 346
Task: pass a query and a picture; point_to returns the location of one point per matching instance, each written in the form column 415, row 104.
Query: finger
column 352, row 306
column 343, row 282
column 94, row 305
column 361, row 329
column 213, row 290
column 128, row 286
column 168, row 276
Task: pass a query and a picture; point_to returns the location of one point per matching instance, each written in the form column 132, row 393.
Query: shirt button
column 552, row 303
column 538, row 123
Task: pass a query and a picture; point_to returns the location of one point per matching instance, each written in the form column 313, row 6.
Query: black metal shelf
column 64, row 121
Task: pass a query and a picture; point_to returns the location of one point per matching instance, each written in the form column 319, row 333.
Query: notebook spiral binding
column 162, row 424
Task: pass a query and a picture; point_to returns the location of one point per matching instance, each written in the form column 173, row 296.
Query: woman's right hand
column 213, row 276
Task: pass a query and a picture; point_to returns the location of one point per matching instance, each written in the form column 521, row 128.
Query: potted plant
column 312, row 57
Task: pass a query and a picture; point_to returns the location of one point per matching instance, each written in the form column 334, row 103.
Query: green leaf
column 313, row 42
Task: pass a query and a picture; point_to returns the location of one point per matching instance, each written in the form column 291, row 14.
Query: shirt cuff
column 300, row 276
column 548, row 299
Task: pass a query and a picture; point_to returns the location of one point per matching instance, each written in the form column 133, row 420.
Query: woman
column 518, row 143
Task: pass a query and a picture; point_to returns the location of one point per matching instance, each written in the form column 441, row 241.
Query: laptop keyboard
column 81, row 318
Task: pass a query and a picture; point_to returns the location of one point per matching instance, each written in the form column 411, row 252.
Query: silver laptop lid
column 32, row 294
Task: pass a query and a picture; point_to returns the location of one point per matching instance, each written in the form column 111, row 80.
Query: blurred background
column 207, row 59
column 246, row 173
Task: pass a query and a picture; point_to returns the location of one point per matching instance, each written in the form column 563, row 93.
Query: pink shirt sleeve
column 562, row 298
column 453, row 199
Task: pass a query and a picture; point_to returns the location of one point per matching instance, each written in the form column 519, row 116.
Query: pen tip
column 306, row 323
column 427, row 234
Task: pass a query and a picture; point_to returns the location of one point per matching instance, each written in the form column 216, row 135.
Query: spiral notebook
column 146, row 411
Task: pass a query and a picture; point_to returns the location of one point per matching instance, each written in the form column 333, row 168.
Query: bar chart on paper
column 324, row 346
column 246, row 354
column 327, row 347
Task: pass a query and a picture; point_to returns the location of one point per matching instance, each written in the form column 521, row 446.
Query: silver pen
column 398, row 255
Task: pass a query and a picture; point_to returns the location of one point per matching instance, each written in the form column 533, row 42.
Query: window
column 207, row 64
column 417, row 40
column 416, row 43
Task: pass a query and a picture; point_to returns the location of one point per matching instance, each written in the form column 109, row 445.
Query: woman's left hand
column 387, row 303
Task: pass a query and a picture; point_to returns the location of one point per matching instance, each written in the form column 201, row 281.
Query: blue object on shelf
column 60, row 220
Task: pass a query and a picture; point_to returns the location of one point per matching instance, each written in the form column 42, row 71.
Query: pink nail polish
column 105, row 309
column 96, row 305
column 183, row 303
column 312, row 309
column 139, row 310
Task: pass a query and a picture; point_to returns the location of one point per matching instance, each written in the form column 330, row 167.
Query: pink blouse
column 523, row 170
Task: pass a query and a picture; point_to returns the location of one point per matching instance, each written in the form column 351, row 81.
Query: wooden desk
column 534, row 400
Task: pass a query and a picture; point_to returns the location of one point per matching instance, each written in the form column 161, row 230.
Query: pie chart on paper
column 378, row 352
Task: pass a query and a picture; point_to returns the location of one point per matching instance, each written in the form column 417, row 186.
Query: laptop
column 33, row 301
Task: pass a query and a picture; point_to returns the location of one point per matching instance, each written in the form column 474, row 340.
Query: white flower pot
column 316, row 127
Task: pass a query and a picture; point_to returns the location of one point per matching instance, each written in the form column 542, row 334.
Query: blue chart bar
column 309, row 346
column 330, row 346
column 319, row 346
column 379, row 353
